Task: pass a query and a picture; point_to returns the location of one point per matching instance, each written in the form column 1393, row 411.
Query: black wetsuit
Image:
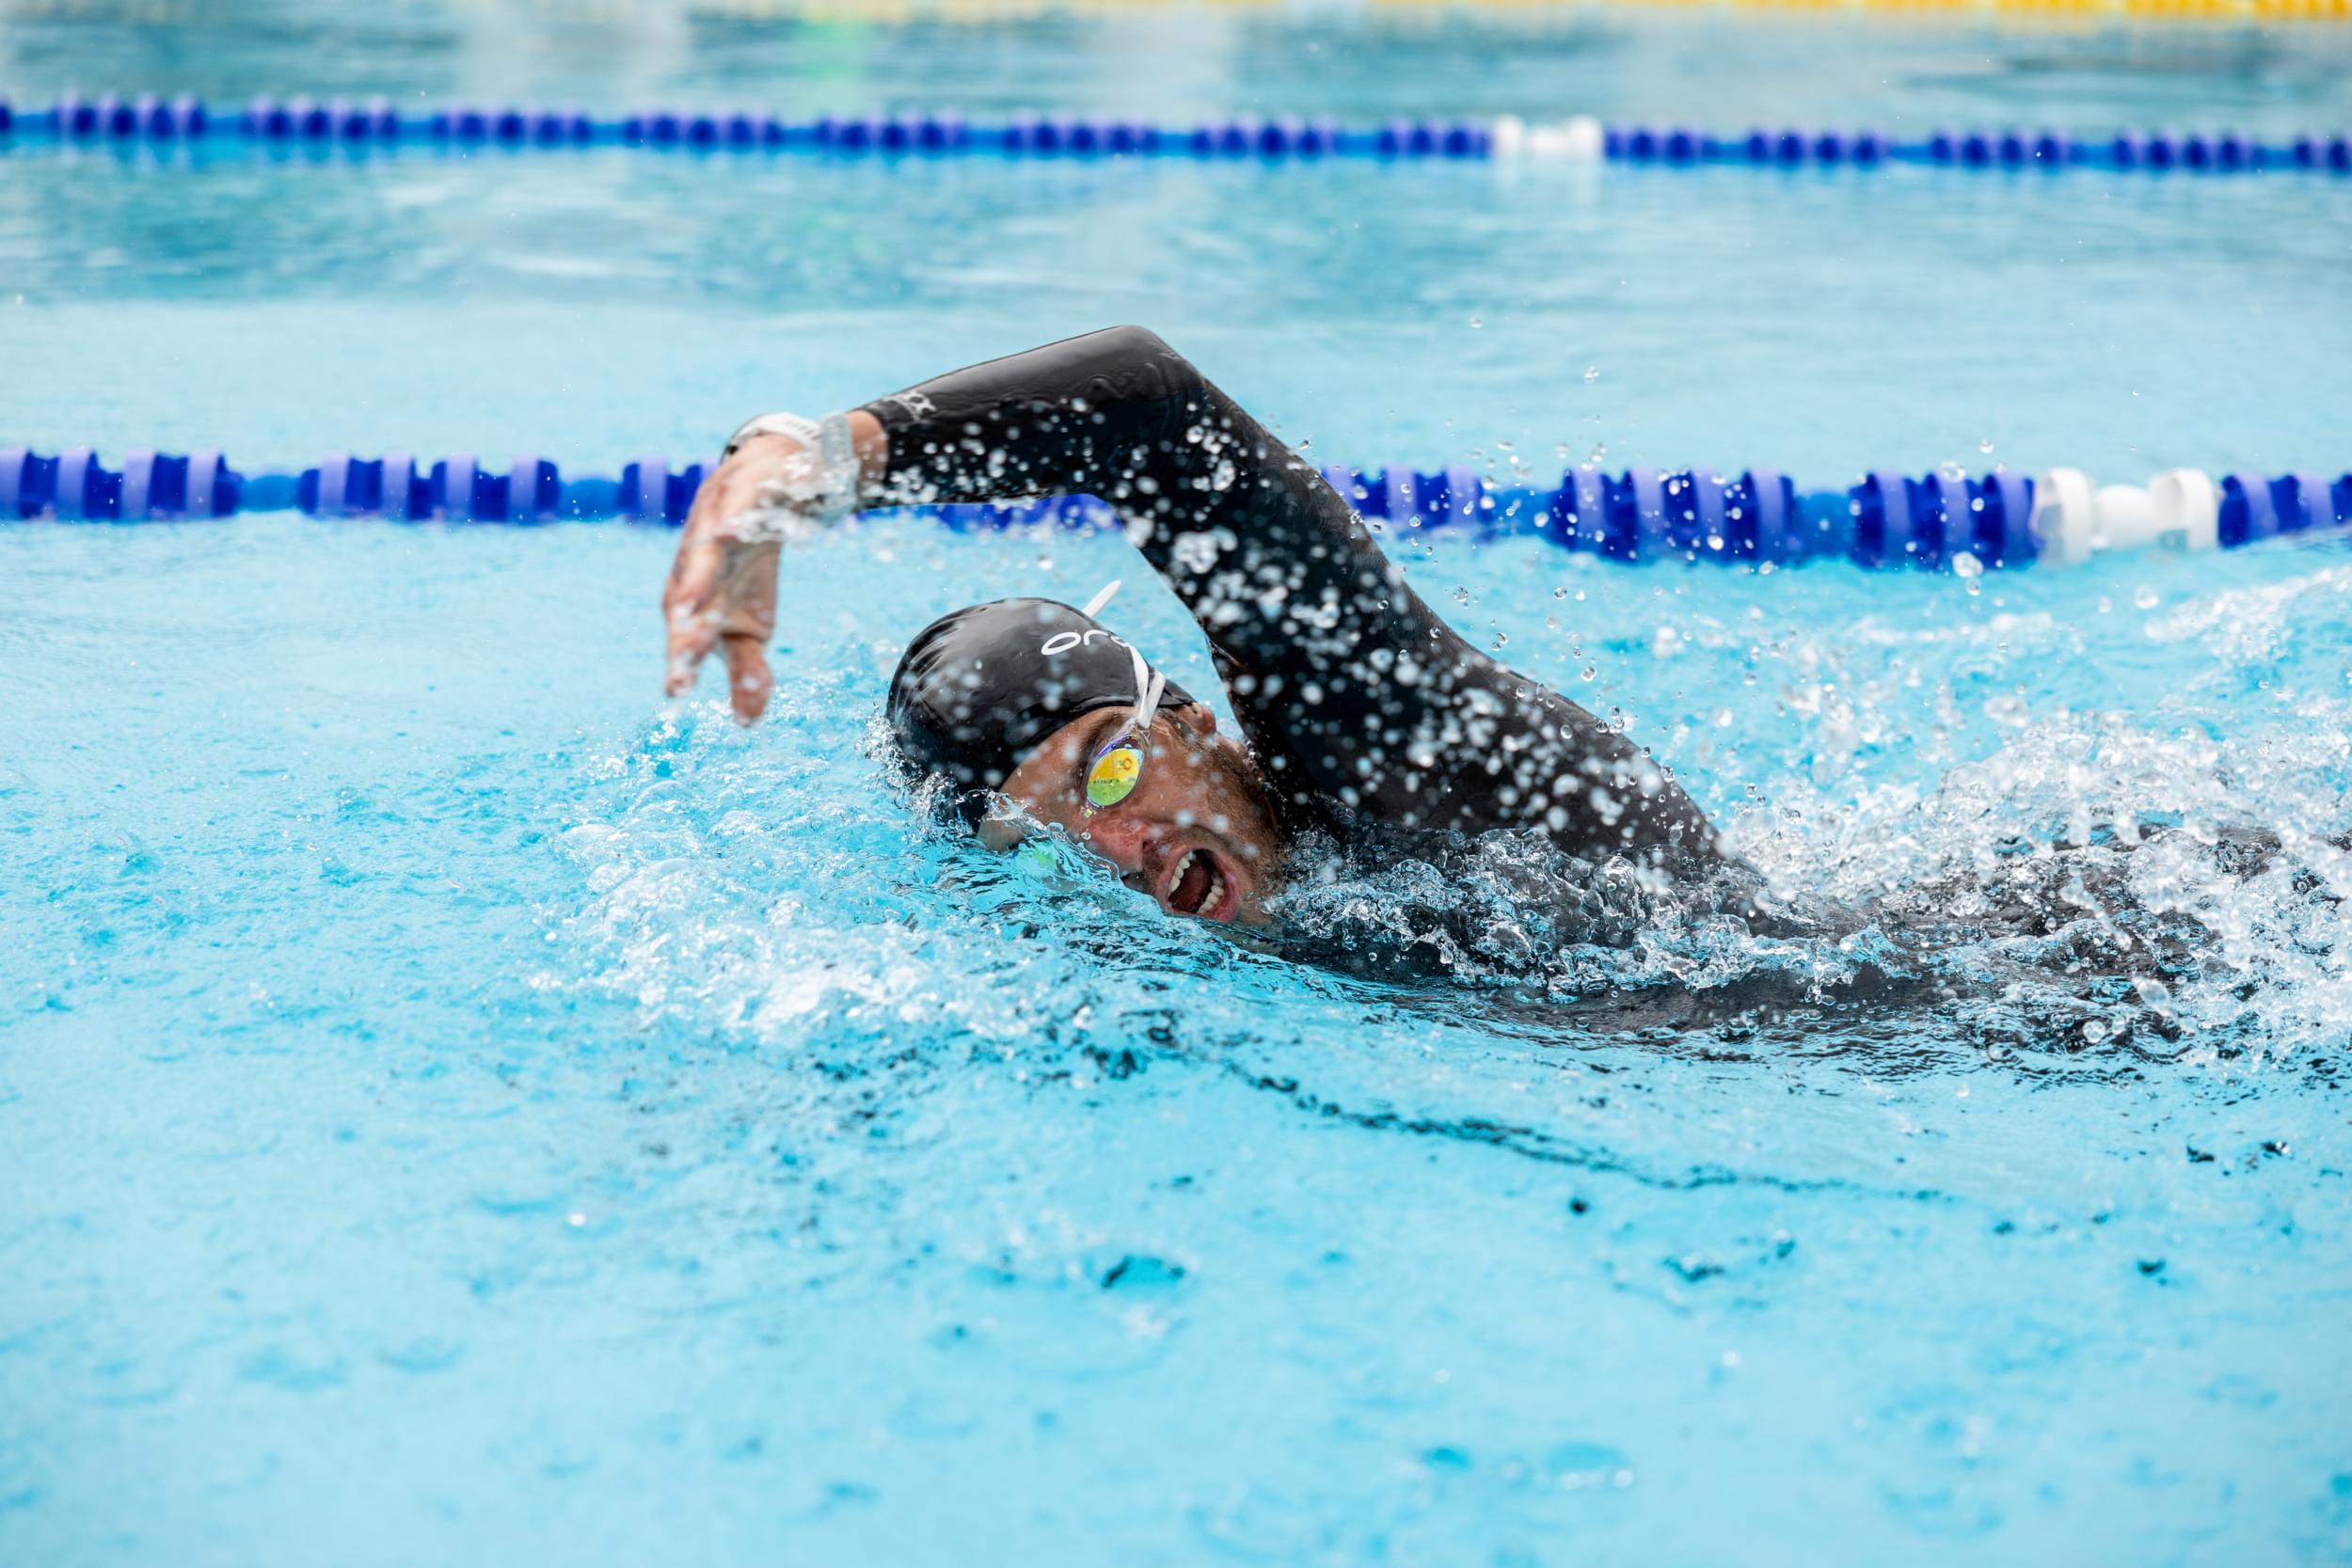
column 1372, row 720
column 1366, row 710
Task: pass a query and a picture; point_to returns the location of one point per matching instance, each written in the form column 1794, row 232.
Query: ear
column 1196, row 717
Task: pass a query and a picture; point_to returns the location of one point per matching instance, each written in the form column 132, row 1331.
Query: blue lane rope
column 301, row 121
column 1758, row 516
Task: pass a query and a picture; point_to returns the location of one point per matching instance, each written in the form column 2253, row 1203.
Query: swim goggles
column 1117, row 764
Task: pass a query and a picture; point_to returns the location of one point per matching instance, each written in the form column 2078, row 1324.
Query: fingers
column 721, row 588
column 746, row 599
column 749, row 680
column 686, row 605
column 693, row 633
column 746, row 615
column 698, row 603
column 724, row 594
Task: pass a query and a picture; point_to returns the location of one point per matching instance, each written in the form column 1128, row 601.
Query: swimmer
column 1366, row 722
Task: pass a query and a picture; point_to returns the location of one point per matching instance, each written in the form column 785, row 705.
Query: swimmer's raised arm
column 1356, row 696
column 1118, row 414
column 1354, row 693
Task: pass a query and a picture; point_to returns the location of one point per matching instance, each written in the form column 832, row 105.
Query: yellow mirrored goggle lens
column 1113, row 774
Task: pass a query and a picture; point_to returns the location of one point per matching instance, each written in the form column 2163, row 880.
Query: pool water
column 456, row 1106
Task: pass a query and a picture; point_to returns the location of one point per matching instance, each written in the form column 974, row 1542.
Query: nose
column 1122, row 840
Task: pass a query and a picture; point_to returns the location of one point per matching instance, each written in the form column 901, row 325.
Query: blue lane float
column 1759, row 517
column 375, row 124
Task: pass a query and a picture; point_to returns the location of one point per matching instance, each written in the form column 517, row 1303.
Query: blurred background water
column 454, row 1106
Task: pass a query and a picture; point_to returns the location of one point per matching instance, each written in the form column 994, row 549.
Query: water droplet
column 1476, row 323
column 1592, row 373
column 1985, row 446
column 2146, row 597
column 1966, row 566
column 2095, row 1031
column 1501, row 640
column 1590, row 673
column 1561, row 592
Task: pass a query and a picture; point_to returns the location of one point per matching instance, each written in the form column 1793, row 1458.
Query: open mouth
column 1199, row 882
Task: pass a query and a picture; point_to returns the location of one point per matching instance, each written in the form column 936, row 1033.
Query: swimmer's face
column 1194, row 835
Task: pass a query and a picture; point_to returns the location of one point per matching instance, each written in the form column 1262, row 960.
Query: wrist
column 813, row 468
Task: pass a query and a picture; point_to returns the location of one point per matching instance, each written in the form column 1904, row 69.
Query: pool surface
column 456, row 1107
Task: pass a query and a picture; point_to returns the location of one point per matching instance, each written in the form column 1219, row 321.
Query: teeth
column 1209, row 900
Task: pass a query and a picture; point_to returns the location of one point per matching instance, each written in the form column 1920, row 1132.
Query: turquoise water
column 456, row 1107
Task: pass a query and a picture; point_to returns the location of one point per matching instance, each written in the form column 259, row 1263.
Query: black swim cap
column 978, row 689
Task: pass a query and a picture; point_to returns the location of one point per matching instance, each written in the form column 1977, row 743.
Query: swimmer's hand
column 721, row 591
column 723, row 587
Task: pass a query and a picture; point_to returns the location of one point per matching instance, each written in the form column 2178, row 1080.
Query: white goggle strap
column 1095, row 606
column 1150, row 683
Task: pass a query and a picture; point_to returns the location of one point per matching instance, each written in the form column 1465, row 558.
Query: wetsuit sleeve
column 1359, row 702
